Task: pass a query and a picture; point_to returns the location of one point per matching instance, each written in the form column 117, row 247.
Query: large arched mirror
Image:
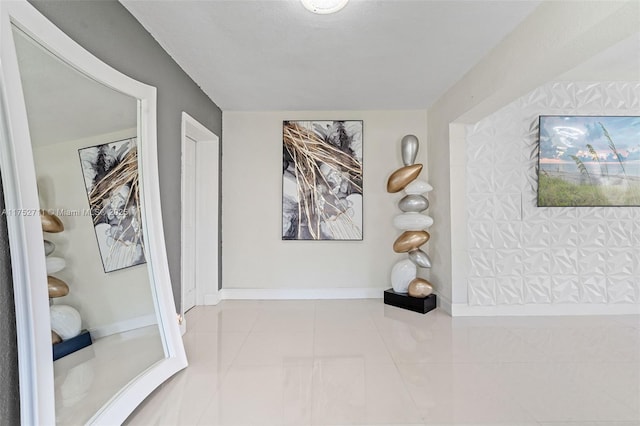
column 80, row 177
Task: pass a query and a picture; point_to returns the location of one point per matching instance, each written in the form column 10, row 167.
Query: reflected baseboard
column 465, row 310
column 122, row 326
column 299, row 293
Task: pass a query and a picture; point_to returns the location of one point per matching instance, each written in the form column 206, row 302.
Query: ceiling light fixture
column 324, row 7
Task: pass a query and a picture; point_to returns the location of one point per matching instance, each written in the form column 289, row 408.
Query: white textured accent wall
column 522, row 254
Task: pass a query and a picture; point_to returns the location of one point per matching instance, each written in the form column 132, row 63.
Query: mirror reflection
column 85, row 148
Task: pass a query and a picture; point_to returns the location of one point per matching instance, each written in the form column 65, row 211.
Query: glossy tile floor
column 346, row 362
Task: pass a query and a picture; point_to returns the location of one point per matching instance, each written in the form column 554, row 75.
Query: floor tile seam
column 511, row 401
column 288, row 328
column 332, row 331
column 534, row 414
column 440, row 363
column 200, row 354
column 276, row 363
column 623, row 323
column 284, row 403
column 221, row 382
column 221, row 374
column 207, row 405
column 402, row 379
column 379, row 334
column 312, row 393
column 413, row 398
column 276, row 332
column 254, row 322
column 503, row 394
column 621, row 401
column 393, row 358
column 581, row 362
column 191, row 318
column 169, row 390
column 314, row 372
column 314, row 328
column 530, row 345
column 547, row 361
column 577, row 384
column 371, row 315
column 313, row 361
column 589, row 422
column 235, row 357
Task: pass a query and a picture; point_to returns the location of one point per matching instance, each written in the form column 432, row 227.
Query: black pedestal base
column 69, row 346
column 405, row 301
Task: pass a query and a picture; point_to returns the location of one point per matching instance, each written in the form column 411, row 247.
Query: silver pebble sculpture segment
column 409, row 149
column 404, row 278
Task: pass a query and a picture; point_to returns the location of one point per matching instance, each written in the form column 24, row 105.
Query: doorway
column 199, row 212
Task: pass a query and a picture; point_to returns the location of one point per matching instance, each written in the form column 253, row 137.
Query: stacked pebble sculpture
column 404, row 273
column 65, row 320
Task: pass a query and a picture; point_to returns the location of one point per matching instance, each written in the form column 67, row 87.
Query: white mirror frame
column 37, row 405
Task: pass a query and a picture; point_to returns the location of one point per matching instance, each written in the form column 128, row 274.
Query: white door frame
column 207, row 152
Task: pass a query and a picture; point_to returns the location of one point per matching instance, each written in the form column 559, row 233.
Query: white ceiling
column 374, row 54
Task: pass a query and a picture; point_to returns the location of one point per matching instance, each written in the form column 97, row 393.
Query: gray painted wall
column 9, row 391
column 110, row 32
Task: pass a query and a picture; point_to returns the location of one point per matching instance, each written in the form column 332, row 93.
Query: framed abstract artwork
column 111, row 179
column 322, row 180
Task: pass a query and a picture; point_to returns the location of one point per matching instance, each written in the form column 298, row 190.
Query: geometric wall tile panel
column 481, row 207
column 508, row 180
column 563, row 234
column 508, row 262
column 507, row 207
column 564, row 260
column 622, row 289
column 480, row 180
column 593, row 233
column 481, row 291
column 621, row 261
column 519, row 253
column 537, row 289
column 509, row 290
column 594, row 288
column 619, row 233
column 565, row 289
column 536, row 262
column 506, row 235
column 592, row 261
column 536, row 233
column 481, row 234
column 482, row 263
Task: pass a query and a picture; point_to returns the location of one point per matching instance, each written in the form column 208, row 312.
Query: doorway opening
column 199, row 212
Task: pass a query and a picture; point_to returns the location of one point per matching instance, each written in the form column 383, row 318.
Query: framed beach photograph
column 111, row 179
column 322, row 180
column 589, row 161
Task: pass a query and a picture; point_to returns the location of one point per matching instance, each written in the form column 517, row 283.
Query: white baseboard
column 122, row 326
column 299, row 293
column 212, row 299
column 464, row 310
